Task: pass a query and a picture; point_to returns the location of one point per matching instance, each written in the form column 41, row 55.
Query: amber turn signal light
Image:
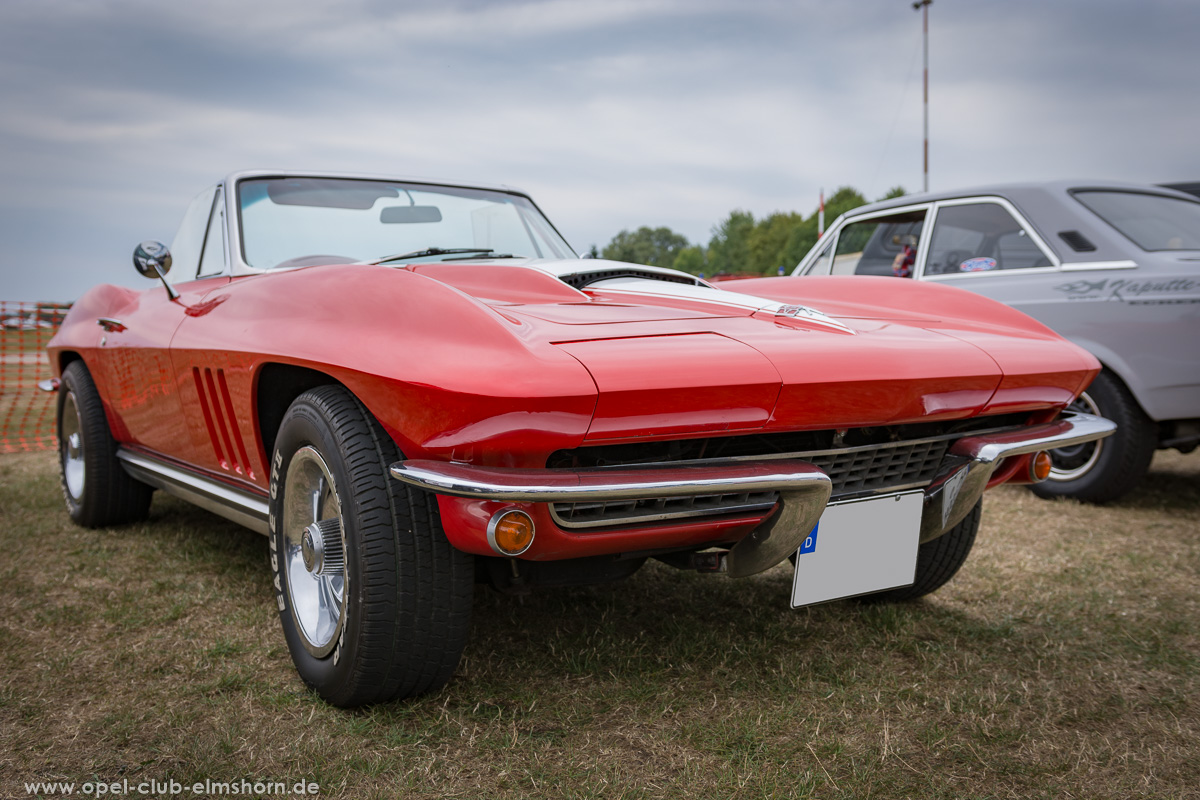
column 1039, row 467
column 510, row 532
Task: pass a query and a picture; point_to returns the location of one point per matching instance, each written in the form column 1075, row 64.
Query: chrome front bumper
column 803, row 489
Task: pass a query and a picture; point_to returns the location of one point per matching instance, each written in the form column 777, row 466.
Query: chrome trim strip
column 706, row 293
column 970, row 276
column 578, row 485
column 1073, row 266
column 244, row 508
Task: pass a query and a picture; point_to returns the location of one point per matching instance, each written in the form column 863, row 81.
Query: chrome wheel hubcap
column 314, row 545
column 1069, row 463
column 71, row 442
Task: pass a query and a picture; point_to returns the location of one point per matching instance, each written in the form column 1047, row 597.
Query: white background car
column 1114, row 267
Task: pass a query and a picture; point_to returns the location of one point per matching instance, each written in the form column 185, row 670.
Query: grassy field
column 1062, row 662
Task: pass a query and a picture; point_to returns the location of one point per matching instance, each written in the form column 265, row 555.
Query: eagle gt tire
column 373, row 600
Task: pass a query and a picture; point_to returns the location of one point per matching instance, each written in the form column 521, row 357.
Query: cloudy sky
column 612, row 113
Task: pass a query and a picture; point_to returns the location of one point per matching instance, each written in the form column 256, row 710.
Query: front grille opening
column 771, row 444
column 660, row 509
column 858, row 461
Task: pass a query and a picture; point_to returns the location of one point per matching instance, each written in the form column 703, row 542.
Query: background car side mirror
column 153, row 260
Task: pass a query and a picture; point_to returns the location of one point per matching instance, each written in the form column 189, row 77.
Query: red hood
column 675, row 358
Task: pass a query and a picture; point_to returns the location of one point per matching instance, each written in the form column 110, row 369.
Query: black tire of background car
column 108, row 496
column 1124, row 457
column 937, row 561
column 408, row 598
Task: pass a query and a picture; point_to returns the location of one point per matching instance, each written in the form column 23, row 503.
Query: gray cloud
column 612, row 114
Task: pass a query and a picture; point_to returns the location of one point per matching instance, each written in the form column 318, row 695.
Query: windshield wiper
column 488, row 254
column 433, row 251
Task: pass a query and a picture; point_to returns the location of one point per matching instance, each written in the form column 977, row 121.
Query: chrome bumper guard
column 803, row 489
column 973, row 460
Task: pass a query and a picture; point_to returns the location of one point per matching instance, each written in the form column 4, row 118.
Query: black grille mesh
column 856, row 471
column 884, row 467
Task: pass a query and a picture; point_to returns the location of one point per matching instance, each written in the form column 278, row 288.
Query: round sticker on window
column 979, row 264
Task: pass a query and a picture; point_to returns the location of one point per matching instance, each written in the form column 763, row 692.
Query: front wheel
column 97, row 489
column 373, row 600
column 1104, row 470
column 938, row 561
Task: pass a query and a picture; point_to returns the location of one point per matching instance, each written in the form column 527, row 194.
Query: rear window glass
column 1153, row 222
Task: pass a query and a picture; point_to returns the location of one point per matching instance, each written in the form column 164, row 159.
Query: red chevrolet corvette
column 411, row 386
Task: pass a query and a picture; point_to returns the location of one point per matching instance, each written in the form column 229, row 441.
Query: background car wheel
column 1100, row 471
column 97, row 489
column 937, row 561
column 374, row 601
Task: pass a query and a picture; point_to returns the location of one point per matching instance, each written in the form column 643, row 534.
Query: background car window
column 189, row 239
column 979, row 237
column 823, row 261
column 215, row 257
column 869, row 247
column 1153, row 222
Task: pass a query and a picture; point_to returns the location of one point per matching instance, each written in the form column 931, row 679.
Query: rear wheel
column 97, row 489
column 373, row 600
column 937, row 561
column 1104, row 470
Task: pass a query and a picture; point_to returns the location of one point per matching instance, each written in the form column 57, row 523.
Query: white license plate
column 859, row 547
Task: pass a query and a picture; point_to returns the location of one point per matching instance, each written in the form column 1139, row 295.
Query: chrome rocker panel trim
column 245, row 508
column 804, row 489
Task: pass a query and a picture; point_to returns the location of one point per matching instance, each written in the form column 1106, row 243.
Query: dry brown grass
column 1062, row 662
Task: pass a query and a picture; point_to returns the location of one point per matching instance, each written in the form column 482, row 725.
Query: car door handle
column 110, row 325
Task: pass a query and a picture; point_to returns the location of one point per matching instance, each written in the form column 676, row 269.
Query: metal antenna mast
column 923, row 5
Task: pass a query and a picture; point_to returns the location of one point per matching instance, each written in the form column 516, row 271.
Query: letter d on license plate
column 858, row 547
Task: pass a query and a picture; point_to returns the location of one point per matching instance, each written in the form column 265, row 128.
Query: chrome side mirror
column 153, row 260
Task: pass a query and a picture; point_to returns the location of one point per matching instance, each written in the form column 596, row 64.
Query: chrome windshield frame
column 233, row 220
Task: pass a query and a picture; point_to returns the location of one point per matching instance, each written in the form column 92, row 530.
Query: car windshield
column 287, row 222
column 1153, row 222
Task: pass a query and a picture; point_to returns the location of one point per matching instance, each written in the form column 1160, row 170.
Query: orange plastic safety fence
column 26, row 412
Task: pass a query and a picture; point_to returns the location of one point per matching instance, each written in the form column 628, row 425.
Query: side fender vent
column 221, row 422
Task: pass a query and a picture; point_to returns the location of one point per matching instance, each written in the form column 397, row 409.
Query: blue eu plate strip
column 810, row 543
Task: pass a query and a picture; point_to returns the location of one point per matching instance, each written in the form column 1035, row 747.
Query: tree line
column 740, row 244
